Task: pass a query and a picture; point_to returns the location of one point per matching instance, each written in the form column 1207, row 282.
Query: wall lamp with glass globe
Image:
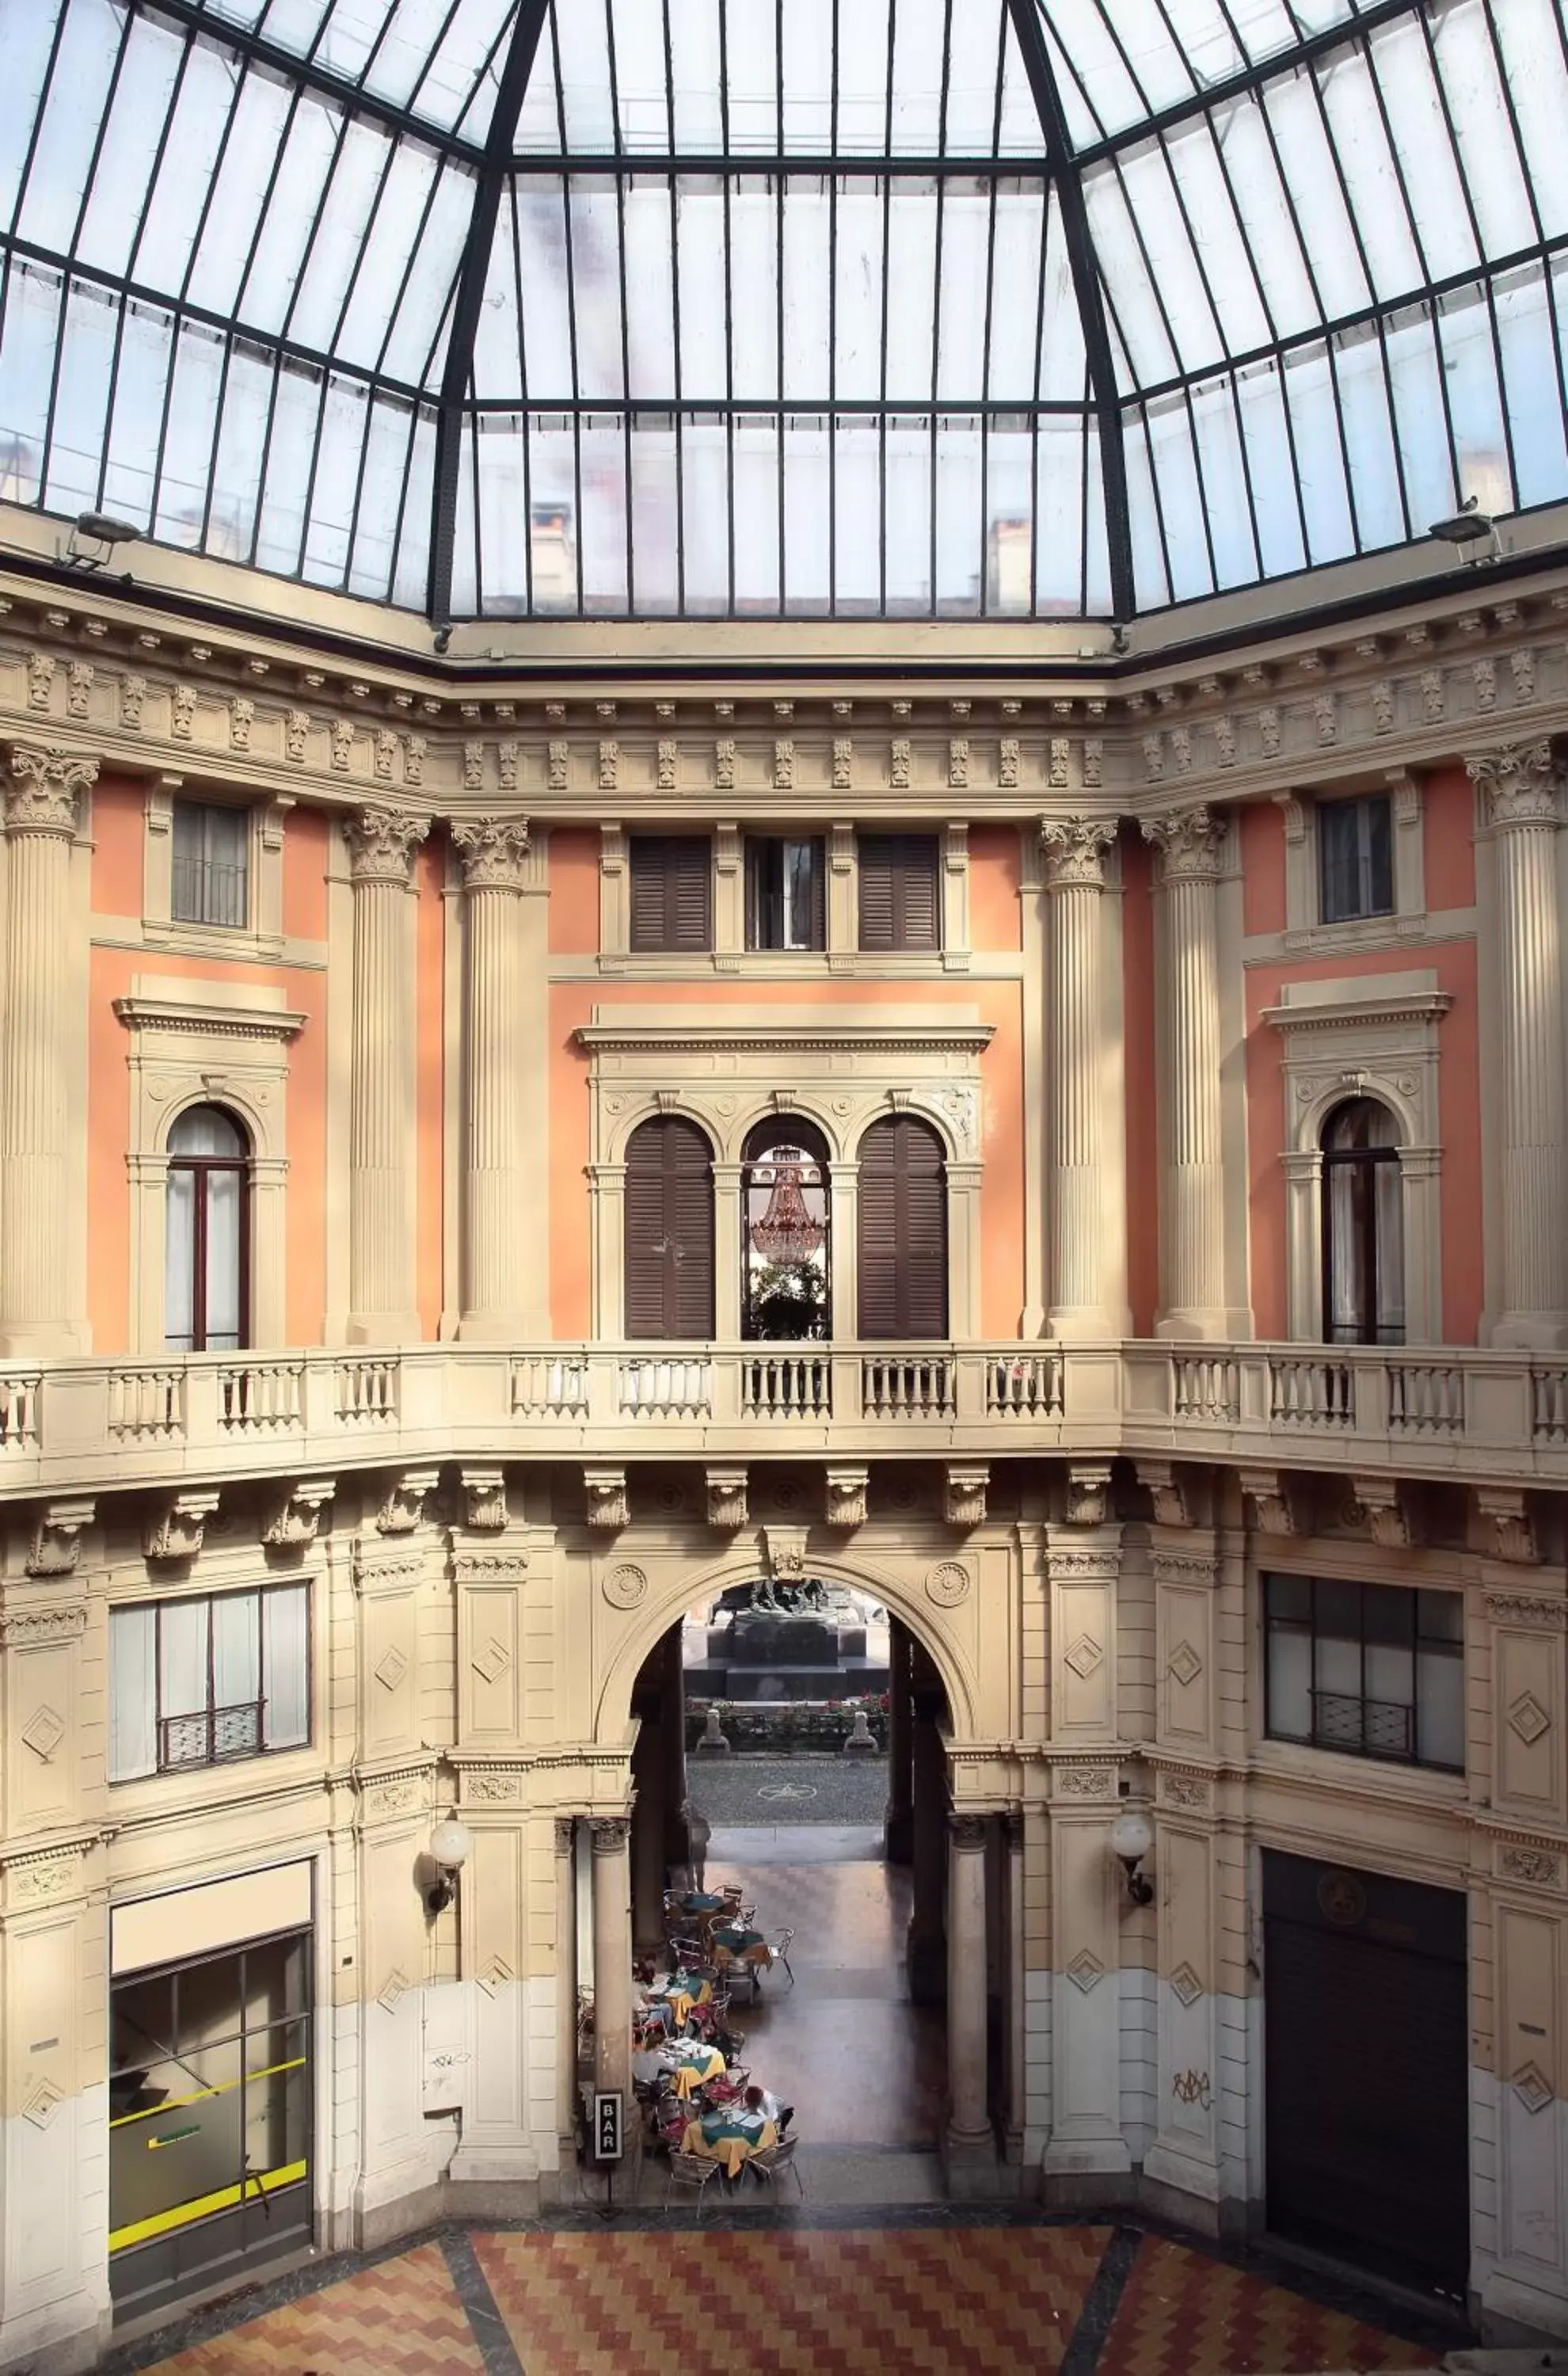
column 1131, row 1838
column 449, row 1844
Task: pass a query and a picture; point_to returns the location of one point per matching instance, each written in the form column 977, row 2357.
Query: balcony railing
column 77, row 1425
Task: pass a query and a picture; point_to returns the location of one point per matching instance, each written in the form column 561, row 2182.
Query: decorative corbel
column 1513, row 1530
column 1268, row 1491
column 606, row 1504
column 1166, row 1487
column 1088, row 1492
column 963, row 1495
column 57, row 1536
column 726, row 1499
column 847, row 1496
column 296, row 1514
column 402, row 1506
column 175, row 1528
column 1379, row 1498
column 786, row 1552
column 484, row 1500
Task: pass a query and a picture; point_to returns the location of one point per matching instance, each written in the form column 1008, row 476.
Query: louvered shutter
column 669, row 1231
column 819, row 896
column 671, row 906
column 877, row 869
column 919, row 924
column 902, row 1265
column 900, row 906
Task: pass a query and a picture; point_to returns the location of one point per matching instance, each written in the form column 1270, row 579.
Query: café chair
column 691, row 2172
column 771, row 2160
column 780, row 1951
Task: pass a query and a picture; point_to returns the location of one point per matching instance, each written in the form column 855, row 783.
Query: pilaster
column 1192, row 1180
column 505, row 1269
column 1081, row 1226
column 382, row 1298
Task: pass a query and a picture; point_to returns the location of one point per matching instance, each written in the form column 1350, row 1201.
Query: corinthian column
column 383, row 1293
column 1520, row 784
column 39, row 795
column 1082, row 1230
column 505, row 1253
column 1192, row 1271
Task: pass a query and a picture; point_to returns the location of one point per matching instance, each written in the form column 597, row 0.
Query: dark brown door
column 669, row 1230
column 1366, row 2069
column 903, row 1231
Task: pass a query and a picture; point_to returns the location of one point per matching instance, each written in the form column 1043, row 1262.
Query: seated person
column 761, row 2100
column 647, row 2068
column 653, row 2013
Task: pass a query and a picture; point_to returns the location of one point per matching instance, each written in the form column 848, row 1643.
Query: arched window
column 207, row 1257
column 1363, row 1227
column 785, row 1270
column 902, row 1254
column 668, row 1230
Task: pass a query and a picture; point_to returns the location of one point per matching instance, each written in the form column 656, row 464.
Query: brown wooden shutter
column 902, row 1265
column 671, row 879
column 669, row 1230
column 819, row 894
column 900, row 902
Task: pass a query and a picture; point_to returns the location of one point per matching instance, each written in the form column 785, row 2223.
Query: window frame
column 163, row 1767
column 1372, row 908
column 1362, row 1160
column 202, row 1167
column 184, row 806
column 757, row 844
column 1405, row 1595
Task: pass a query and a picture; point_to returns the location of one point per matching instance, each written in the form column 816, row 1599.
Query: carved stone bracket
column 175, row 1528
column 1386, row 1511
column 1088, row 1492
column 726, row 1499
column 57, row 1536
column 402, row 1505
column 786, row 1552
column 608, row 1507
column 1512, row 1532
column 484, row 1500
column 296, row 1513
column 1267, row 1492
column 845, row 1496
column 1164, row 1484
column 964, row 1495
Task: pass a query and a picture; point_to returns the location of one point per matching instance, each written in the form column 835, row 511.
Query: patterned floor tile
column 402, row 2318
column 938, row 2303
column 1182, row 2314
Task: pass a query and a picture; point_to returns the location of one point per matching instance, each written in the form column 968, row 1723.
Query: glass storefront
column 209, row 2117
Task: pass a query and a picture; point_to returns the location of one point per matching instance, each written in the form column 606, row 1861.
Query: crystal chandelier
column 786, row 1233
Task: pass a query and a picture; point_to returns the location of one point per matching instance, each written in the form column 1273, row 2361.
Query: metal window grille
column 211, row 1736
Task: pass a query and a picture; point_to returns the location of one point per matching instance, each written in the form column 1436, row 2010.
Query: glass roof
column 947, row 308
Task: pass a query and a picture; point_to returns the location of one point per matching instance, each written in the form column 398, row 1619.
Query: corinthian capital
column 1189, row 843
column 43, row 788
column 493, row 852
column 382, row 844
column 1519, row 781
column 1074, row 846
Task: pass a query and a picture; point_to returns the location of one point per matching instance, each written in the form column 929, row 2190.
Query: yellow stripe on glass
column 266, row 2181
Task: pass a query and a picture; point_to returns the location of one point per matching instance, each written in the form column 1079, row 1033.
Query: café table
column 729, row 2137
column 702, row 1901
column 690, row 2062
column 681, row 1992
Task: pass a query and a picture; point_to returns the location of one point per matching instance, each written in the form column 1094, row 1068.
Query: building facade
column 1171, row 1052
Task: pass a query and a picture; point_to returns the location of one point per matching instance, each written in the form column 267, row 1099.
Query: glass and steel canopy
column 953, row 308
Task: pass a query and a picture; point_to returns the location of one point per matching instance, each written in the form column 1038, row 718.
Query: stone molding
column 1191, row 844
column 1073, row 848
column 493, row 853
column 382, row 843
column 42, row 792
column 1520, row 783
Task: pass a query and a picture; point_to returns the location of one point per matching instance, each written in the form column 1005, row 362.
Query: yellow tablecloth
column 686, row 2077
column 733, row 2152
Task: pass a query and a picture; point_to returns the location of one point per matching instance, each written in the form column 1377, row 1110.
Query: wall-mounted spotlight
column 1469, row 526
column 93, row 539
column 449, row 1844
column 1132, row 1837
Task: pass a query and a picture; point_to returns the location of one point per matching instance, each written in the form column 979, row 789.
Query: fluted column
column 383, row 1293
column 611, row 1956
column 503, row 1245
column 968, row 2121
column 899, row 1822
column 1522, row 800
column 566, row 1982
column 1081, row 1227
column 41, row 793
column 1192, row 1270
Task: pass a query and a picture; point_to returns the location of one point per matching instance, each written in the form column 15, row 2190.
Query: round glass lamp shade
column 450, row 1842
column 1132, row 1835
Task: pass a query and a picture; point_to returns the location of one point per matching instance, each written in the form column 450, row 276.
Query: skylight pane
column 751, row 66
column 539, row 121
column 1371, row 173
column 754, row 293
column 1425, row 147
column 1020, row 134
column 907, row 516
column 1008, row 517
column 808, row 282
column 960, row 543
column 603, row 527
column 541, row 235
column 1529, row 36
column 1362, row 383
column 81, row 399
column 385, row 468
column 656, row 520
column 1489, row 152
column 755, row 498
column 1299, row 133
column 582, row 43
column 918, row 63
column 73, row 105
column 1271, row 240
column 911, row 272
column 141, row 381
column 857, row 323
column 303, row 169
column 347, row 208
column 121, row 177
column 806, row 66
column 596, row 288
column 410, row 579
column 650, row 290
column 857, row 556
column 641, row 85
column 256, row 133
column 806, row 512
column 700, row 258
column 1222, row 475
column 1533, row 385
column 863, row 35
column 335, row 481
column 1271, row 468
column 975, row 54
column 1320, row 463
column 961, row 287
column 187, row 509
column 1016, row 265
column 1151, row 582
column 705, row 514
column 1181, row 499
column 694, row 48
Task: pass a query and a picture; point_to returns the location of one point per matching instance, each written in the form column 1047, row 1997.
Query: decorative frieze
column 26, row 1627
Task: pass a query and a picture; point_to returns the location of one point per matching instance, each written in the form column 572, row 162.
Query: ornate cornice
column 43, row 788
column 812, row 1030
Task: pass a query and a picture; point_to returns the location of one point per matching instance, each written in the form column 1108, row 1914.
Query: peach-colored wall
column 1449, row 839
column 119, row 825
column 305, row 850
column 1460, row 1105
column 573, row 891
column 1001, row 1196
column 995, row 916
column 1262, row 867
column 430, row 873
column 1137, row 995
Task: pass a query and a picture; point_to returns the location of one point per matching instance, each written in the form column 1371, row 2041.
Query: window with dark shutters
column 669, row 1230
column 672, row 906
column 902, row 1269
column 900, row 897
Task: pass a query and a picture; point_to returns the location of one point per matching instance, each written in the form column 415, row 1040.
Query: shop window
column 209, row 883
column 785, row 1252
column 671, row 892
column 1369, row 1669
column 205, row 1280
column 785, row 906
column 902, row 1254
column 669, row 1230
column 1355, row 840
column 1363, row 1232
column 206, row 1681
column 900, row 897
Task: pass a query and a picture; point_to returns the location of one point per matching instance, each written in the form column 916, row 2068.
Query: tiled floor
column 941, row 2297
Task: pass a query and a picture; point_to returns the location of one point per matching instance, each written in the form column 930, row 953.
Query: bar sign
column 607, row 2124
